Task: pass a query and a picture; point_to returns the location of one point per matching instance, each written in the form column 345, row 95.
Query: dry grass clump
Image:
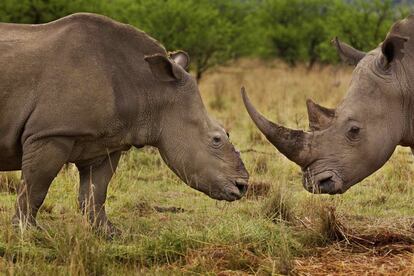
column 278, row 207
column 261, row 166
column 364, row 247
column 258, row 189
column 320, row 216
column 365, row 252
column 330, row 226
column 9, row 182
column 362, row 232
column 382, row 233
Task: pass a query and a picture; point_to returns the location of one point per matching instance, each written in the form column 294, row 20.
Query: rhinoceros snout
column 327, row 182
column 236, row 190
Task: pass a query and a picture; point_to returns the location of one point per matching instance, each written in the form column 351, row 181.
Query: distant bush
column 301, row 30
column 41, row 11
column 214, row 31
column 210, row 31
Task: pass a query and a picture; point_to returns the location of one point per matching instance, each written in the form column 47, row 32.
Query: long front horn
column 294, row 144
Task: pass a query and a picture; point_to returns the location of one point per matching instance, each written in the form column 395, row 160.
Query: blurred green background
column 215, row 31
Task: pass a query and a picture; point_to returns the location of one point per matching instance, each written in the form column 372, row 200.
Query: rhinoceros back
column 68, row 77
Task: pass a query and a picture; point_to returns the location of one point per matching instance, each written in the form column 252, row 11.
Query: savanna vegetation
column 216, row 31
column 278, row 228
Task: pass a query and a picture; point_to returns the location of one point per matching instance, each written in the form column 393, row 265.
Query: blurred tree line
column 215, row 31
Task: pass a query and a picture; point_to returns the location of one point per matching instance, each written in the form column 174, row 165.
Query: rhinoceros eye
column 353, row 132
column 216, row 141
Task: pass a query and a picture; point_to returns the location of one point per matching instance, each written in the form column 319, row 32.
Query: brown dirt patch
column 392, row 259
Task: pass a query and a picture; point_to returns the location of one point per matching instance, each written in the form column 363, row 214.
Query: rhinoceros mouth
column 326, row 182
column 236, row 190
column 229, row 190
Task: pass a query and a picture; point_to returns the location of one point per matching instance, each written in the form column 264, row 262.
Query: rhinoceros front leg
column 94, row 180
column 41, row 162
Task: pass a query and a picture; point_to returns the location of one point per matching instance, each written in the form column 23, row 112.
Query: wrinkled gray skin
column 349, row 143
column 83, row 89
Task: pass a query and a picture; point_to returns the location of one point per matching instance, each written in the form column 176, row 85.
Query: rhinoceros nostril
column 325, row 181
column 242, row 186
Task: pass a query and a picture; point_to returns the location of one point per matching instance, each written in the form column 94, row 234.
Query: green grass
column 150, row 240
column 261, row 235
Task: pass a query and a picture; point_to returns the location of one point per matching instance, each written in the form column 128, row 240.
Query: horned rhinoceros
column 83, row 89
column 348, row 143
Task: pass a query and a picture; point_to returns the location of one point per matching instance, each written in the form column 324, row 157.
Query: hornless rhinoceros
column 83, row 89
column 348, row 143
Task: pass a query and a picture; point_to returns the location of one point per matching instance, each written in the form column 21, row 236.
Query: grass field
column 279, row 228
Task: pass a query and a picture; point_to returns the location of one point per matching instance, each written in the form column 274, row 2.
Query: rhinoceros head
column 346, row 144
column 192, row 144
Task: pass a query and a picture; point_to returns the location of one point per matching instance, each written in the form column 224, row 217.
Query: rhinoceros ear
column 393, row 47
column 319, row 117
column 181, row 58
column 348, row 54
column 163, row 68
